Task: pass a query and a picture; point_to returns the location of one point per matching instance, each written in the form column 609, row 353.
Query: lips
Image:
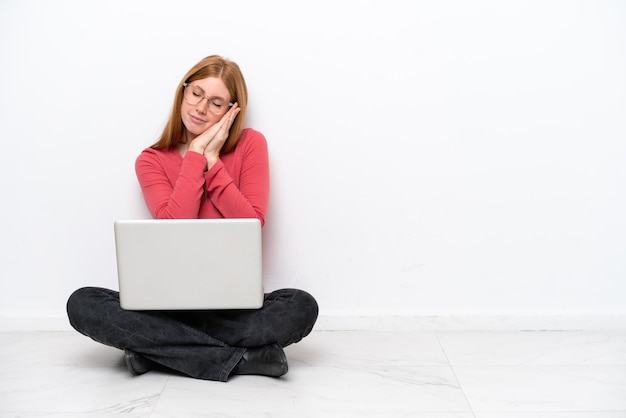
column 196, row 120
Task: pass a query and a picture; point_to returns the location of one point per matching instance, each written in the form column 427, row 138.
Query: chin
column 194, row 131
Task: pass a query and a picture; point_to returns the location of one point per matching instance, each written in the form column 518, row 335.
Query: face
column 198, row 118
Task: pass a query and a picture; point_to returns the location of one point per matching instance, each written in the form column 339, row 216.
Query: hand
column 210, row 142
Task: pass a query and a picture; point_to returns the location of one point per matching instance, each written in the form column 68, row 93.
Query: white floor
column 333, row 374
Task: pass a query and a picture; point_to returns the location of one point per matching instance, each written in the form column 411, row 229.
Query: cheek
column 184, row 109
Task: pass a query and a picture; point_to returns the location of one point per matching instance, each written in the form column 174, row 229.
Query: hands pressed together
column 210, row 142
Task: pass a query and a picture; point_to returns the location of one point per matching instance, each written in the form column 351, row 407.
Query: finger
column 227, row 121
column 232, row 112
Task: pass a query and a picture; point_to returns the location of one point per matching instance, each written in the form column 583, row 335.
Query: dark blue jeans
column 200, row 344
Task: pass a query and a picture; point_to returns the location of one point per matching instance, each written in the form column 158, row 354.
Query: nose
column 203, row 106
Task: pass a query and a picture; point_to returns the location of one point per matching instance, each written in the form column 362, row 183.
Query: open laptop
column 189, row 264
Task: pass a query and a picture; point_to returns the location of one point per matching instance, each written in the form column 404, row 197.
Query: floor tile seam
column 550, row 412
column 154, row 407
column 369, row 368
column 364, row 411
column 445, row 364
column 458, row 381
column 537, row 366
column 370, row 364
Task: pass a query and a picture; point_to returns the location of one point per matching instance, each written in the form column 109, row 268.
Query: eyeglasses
column 194, row 95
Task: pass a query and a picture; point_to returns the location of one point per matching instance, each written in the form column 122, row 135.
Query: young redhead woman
column 205, row 165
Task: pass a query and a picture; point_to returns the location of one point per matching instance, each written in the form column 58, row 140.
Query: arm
column 251, row 198
column 171, row 192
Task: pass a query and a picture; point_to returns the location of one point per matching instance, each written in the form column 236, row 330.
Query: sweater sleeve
column 251, row 198
column 170, row 194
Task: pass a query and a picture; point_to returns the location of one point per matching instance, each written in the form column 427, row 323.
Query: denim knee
column 75, row 305
column 300, row 312
column 308, row 305
column 81, row 307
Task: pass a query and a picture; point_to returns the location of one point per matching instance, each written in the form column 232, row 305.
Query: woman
column 205, row 165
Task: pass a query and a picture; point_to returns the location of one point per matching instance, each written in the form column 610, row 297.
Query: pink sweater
column 237, row 186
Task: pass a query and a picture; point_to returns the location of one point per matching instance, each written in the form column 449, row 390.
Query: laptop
column 189, row 264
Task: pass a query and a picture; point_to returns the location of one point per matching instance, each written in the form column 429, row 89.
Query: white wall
column 428, row 158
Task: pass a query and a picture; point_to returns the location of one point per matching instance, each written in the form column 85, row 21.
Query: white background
column 427, row 158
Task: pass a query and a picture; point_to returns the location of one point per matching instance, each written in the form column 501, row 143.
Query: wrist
column 211, row 160
column 195, row 149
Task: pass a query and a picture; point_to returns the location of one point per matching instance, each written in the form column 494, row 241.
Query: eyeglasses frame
column 208, row 99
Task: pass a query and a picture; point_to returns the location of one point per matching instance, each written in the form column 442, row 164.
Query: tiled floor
column 333, row 374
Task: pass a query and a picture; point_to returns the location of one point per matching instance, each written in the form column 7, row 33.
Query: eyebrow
column 204, row 93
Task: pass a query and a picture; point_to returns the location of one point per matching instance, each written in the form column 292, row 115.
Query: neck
column 182, row 147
